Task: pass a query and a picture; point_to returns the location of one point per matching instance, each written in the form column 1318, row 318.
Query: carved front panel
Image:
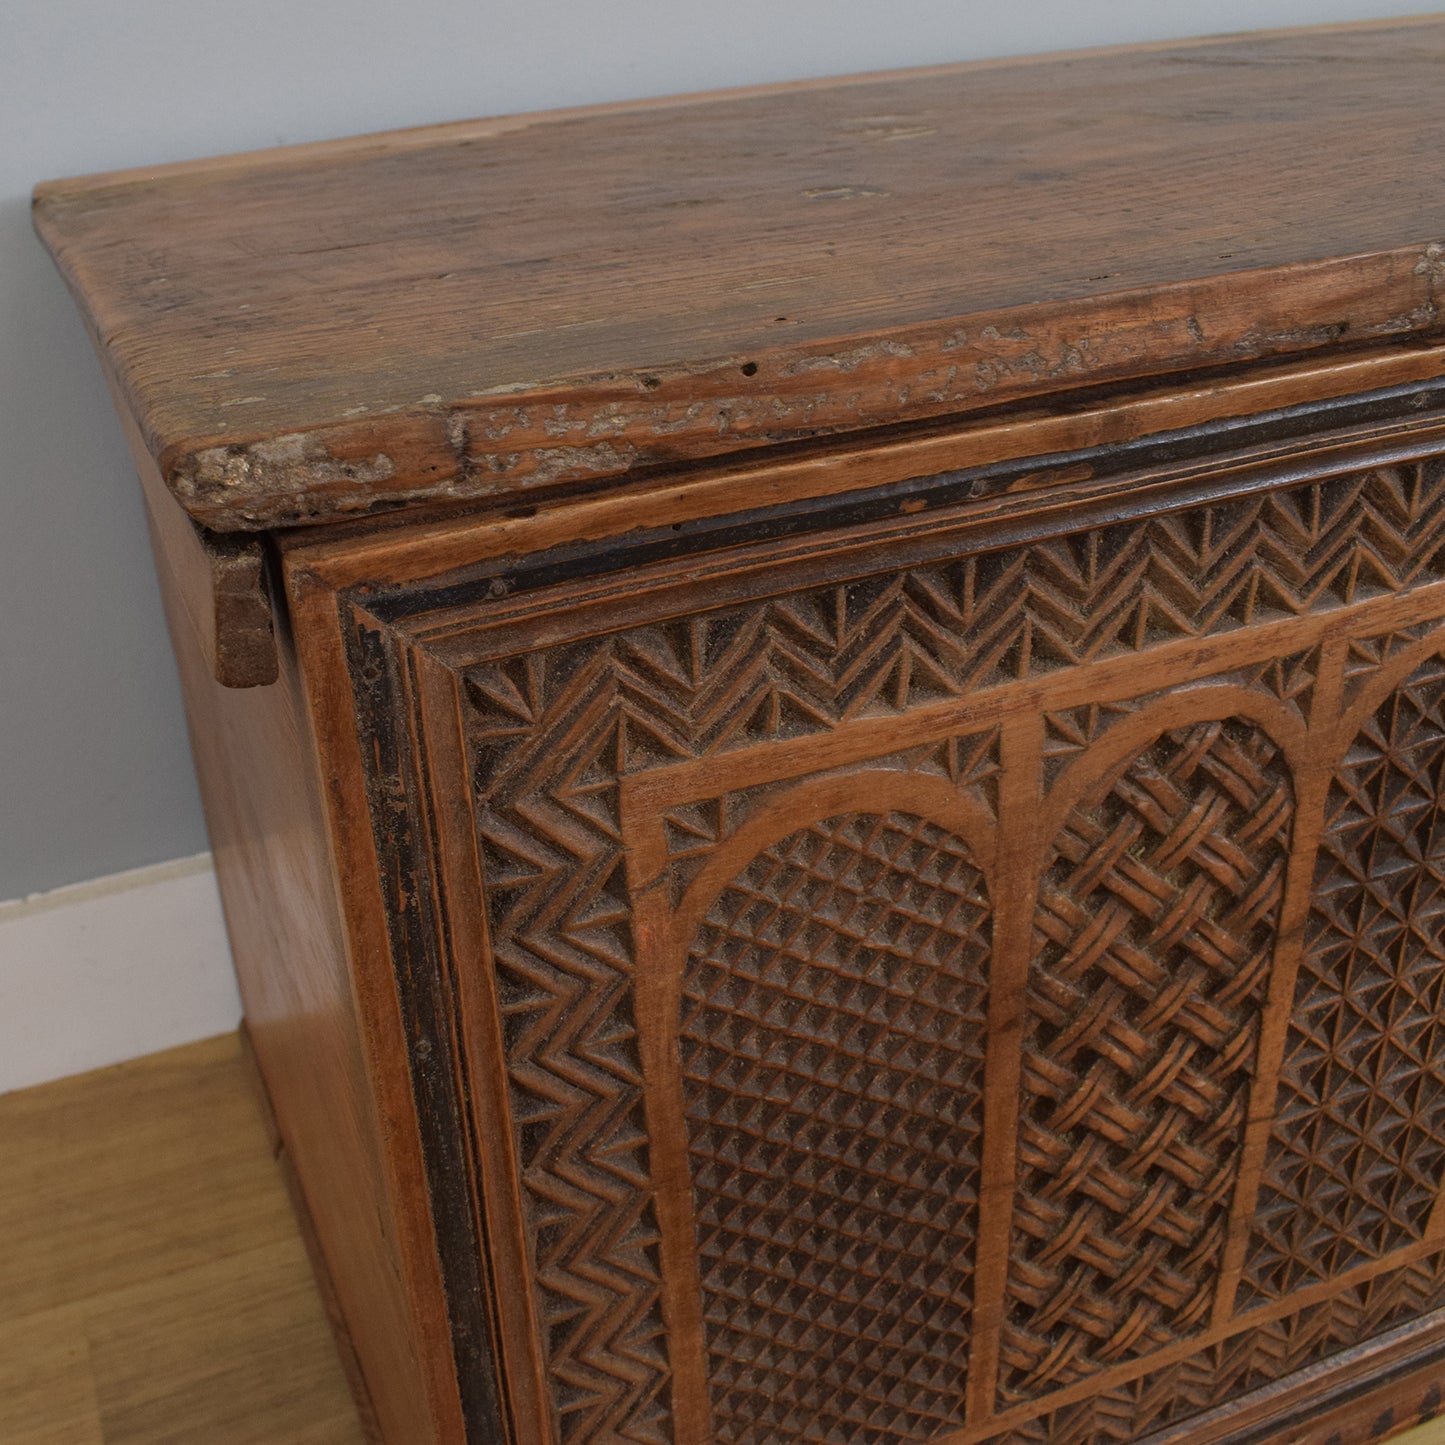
column 973, row 998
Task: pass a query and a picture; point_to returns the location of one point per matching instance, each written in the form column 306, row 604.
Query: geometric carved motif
column 1358, row 1148
column 552, row 731
column 1364, row 656
column 832, row 1055
column 1071, row 731
column 1252, row 1358
column 1291, row 679
column 693, row 830
column 878, row 646
column 1155, row 930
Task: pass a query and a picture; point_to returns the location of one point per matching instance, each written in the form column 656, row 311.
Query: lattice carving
column 1256, row 1356
column 553, row 731
column 1155, row 930
column 832, row 1047
column 1358, row 1150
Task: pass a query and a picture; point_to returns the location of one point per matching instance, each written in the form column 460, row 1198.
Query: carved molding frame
column 418, row 685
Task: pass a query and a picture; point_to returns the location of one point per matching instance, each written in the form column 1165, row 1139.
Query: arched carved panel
column 557, row 727
column 832, row 1027
column 1355, row 1160
column 1155, row 929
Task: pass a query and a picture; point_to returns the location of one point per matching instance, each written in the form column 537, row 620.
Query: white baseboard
column 111, row 969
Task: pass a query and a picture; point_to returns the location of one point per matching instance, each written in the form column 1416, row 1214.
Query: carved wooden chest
column 823, row 714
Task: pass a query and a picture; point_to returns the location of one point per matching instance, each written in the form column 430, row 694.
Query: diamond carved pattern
column 1358, row 1150
column 1156, row 925
column 832, row 1048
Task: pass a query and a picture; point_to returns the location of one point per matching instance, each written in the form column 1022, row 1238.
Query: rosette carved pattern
column 1358, row 1150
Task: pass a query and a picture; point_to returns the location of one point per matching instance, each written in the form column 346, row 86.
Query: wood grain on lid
column 498, row 308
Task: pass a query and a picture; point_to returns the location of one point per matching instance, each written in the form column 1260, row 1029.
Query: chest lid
column 507, row 307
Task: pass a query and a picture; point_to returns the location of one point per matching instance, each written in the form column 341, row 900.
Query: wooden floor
column 153, row 1286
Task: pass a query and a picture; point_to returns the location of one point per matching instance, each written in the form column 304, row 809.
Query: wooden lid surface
column 500, row 307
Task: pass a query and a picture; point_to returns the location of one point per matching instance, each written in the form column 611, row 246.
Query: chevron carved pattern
column 1358, row 1149
column 1254, row 1357
column 1155, row 930
column 560, row 913
column 832, row 1054
column 879, row 645
column 553, row 731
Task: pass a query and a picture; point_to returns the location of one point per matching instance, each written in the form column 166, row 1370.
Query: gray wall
column 95, row 775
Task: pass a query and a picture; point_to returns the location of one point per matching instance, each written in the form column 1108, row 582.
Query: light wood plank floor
column 154, row 1287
